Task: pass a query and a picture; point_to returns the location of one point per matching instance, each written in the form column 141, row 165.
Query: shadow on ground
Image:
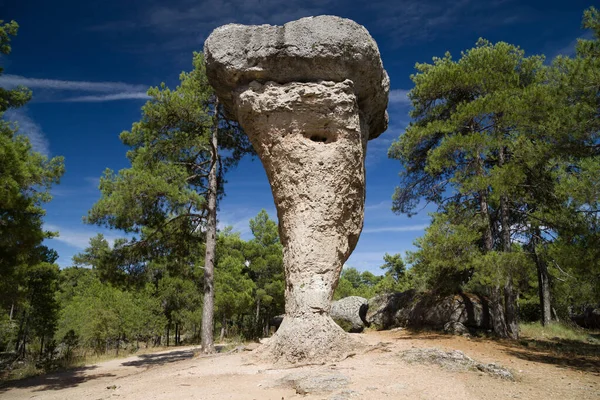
column 57, row 381
column 149, row 360
column 423, row 334
column 563, row 353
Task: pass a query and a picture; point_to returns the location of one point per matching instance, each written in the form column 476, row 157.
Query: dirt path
column 376, row 374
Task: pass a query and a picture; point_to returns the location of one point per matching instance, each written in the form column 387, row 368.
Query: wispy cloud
column 182, row 25
column 78, row 238
column 12, row 81
column 367, row 260
column 107, row 97
column 410, row 21
column 239, row 219
column 51, row 89
column 28, row 127
column 406, row 228
column 399, row 96
column 569, row 49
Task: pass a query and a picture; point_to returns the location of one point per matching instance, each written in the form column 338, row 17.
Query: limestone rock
column 314, row 382
column 322, row 48
column 351, row 311
column 454, row 361
column 455, row 328
column 309, row 95
column 413, row 309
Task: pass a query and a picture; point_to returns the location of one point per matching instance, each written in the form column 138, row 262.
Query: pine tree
column 179, row 152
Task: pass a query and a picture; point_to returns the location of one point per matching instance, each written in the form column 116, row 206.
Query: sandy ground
column 376, row 374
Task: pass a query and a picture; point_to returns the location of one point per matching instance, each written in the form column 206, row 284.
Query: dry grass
column 558, row 331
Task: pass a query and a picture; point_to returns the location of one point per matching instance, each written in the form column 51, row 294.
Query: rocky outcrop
column 312, row 383
column 454, row 361
column 412, row 309
column 589, row 318
column 309, row 95
column 350, row 313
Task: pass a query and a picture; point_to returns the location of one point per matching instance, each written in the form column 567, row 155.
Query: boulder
column 350, row 313
column 276, row 321
column 589, row 318
column 418, row 310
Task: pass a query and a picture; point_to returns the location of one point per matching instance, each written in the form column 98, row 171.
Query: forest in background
column 506, row 146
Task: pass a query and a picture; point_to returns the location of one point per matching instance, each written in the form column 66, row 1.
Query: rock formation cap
column 313, row 49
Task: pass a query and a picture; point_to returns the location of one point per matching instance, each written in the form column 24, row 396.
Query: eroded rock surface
column 309, row 95
column 310, row 49
column 313, row 383
column 454, row 361
column 350, row 311
column 417, row 310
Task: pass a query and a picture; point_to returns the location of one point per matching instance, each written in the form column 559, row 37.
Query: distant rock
column 350, row 313
column 417, row 310
column 276, row 321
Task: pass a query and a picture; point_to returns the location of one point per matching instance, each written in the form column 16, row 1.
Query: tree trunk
column 511, row 308
column 496, row 307
column 256, row 329
column 20, row 333
column 223, row 324
column 211, row 244
column 168, row 331
column 543, row 280
column 510, row 298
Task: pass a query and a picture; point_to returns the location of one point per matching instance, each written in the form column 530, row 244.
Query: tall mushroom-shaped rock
column 309, row 95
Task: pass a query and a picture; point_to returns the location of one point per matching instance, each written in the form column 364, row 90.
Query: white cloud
column 29, row 128
column 385, row 204
column 569, row 49
column 239, row 219
column 12, row 81
column 367, row 260
column 50, row 89
column 406, row 228
column 78, row 238
column 399, row 96
column 108, row 97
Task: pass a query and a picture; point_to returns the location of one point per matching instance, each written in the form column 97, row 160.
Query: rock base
column 308, row 339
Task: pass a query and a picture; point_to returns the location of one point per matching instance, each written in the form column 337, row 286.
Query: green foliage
column 98, row 314
column 507, row 147
column 365, row 284
column 170, row 155
column 28, row 277
column 264, row 254
column 233, row 288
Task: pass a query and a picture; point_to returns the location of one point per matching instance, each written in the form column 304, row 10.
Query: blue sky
column 89, row 64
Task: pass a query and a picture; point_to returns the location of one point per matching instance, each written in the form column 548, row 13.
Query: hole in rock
column 319, row 138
